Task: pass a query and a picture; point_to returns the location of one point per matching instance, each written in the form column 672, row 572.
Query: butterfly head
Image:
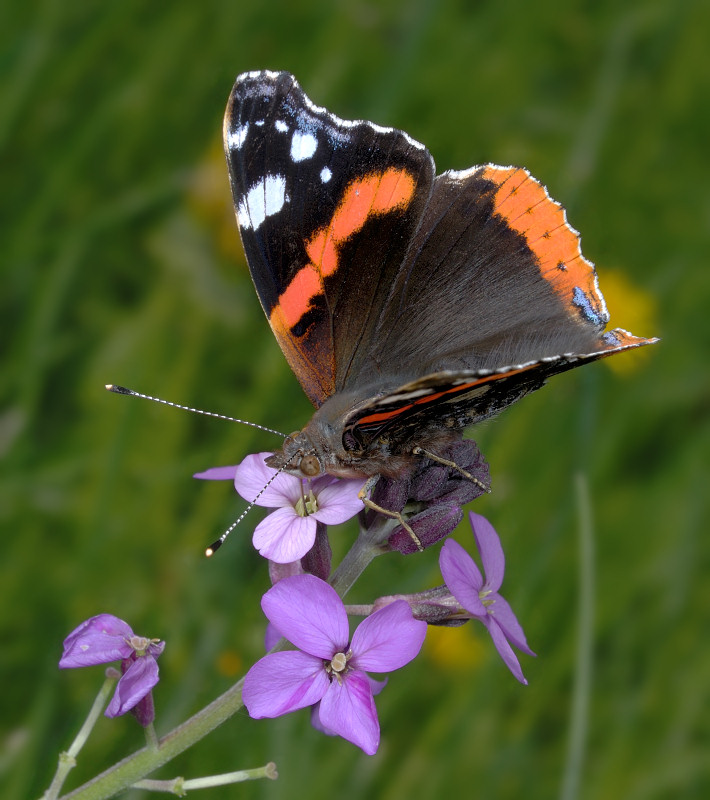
column 317, row 450
column 298, row 456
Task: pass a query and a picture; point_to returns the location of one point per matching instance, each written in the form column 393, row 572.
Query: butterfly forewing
column 326, row 210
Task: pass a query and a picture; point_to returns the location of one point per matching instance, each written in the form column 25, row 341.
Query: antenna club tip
column 212, row 549
column 112, row 387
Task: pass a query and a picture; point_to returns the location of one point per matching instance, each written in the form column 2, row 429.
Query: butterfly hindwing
column 496, row 277
column 457, row 399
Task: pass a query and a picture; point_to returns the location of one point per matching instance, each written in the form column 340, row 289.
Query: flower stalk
column 67, row 759
column 141, row 763
column 180, row 786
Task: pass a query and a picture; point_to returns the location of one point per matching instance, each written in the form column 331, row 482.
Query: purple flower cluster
column 328, row 671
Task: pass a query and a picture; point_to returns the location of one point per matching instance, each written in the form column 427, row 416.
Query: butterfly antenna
column 212, row 549
column 122, row 390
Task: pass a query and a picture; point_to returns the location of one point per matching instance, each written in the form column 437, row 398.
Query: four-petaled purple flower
column 288, row 533
column 480, row 598
column 105, row 638
column 329, row 665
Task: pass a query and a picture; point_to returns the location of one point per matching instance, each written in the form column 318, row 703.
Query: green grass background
column 120, row 263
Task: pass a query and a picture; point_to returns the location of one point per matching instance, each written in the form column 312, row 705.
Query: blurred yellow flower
column 229, row 663
column 454, row 649
column 630, row 308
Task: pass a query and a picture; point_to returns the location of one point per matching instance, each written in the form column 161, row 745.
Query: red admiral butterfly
column 409, row 305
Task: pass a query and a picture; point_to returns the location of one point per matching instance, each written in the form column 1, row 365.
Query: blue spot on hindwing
column 584, row 304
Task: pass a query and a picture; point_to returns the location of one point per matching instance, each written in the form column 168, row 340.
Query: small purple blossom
column 288, row 533
column 480, row 598
column 105, row 638
column 329, row 666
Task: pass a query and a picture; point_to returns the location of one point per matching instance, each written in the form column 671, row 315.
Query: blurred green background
column 121, row 263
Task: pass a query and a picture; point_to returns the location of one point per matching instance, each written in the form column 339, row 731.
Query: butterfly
column 409, row 305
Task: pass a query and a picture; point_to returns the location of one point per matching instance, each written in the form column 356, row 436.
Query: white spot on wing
column 235, row 138
column 264, row 199
column 325, row 175
column 303, row 145
column 281, row 126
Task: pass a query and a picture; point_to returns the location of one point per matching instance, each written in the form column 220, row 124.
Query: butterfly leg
column 362, row 494
column 420, row 451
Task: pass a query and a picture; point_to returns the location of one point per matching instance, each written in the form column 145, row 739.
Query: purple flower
column 289, row 532
column 480, row 598
column 329, row 666
column 105, row 638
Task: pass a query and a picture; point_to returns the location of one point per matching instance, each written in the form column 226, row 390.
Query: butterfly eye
column 310, row 466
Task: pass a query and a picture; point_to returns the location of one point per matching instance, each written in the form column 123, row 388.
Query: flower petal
column 491, row 550
column 503, row 614
column 320, row 482
column 271, row 636
column 317, row 724
column 283, row 536
column 375, row 686
column 217, row 474
column 140, row 677
column 339, row 502
column 504, row 649
column 261, row 485
column 99, row 640
column 387, row 639
column 156, row 648
column 309, row 613
column 462, row 576
column 282, row 682
column 348, row 709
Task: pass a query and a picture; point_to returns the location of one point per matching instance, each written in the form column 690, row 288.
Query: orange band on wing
column 384, row 416
column 377, row 193
column 293, row 303
column 363, row 198
column 373, row 195
column 529, row 210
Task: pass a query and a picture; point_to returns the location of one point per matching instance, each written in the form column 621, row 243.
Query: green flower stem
column 583, row 673
column 151, row 737
column 135, row 767
column 359, row 611
column 67, row 760
column 367, row 547
column 180, row 786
